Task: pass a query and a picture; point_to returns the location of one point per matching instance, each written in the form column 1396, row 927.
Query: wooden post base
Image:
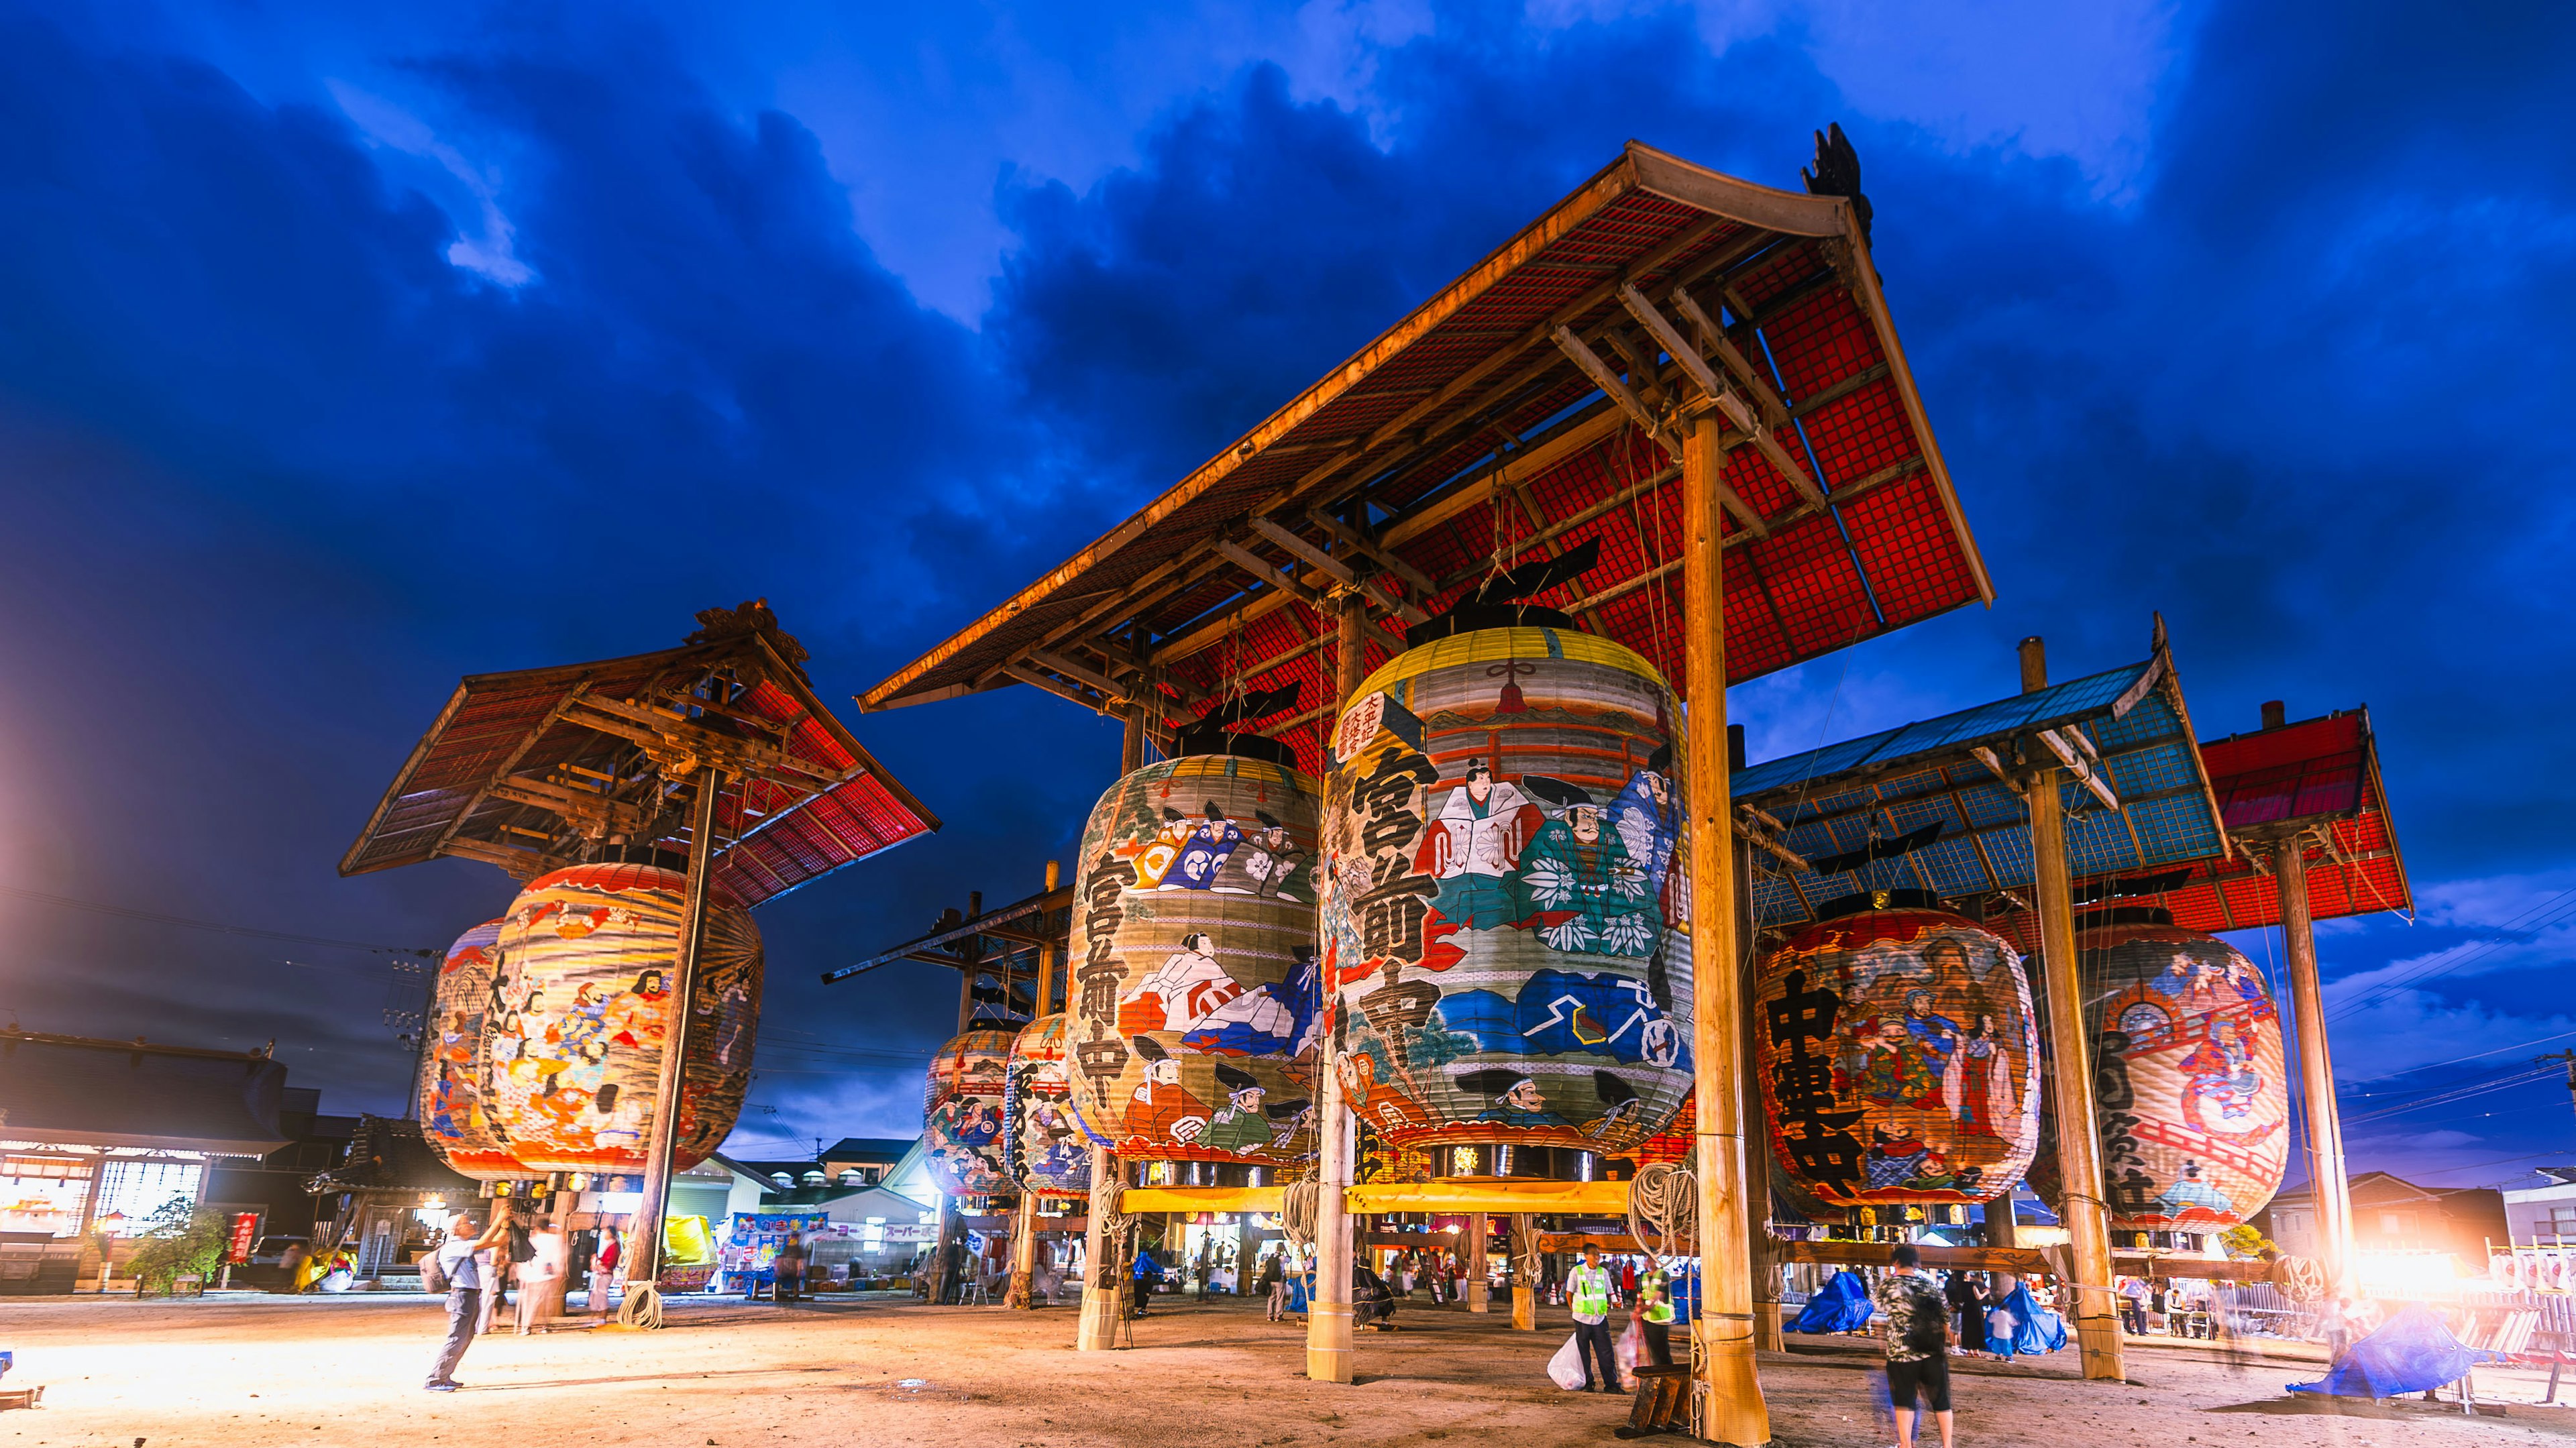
column 1098, row 1331
column 1328, row 1342
column 1524, row 1308
column 1480, row 1296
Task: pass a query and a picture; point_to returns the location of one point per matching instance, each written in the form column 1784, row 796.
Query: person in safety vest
column 1655, row 1311
column 1588, row 1286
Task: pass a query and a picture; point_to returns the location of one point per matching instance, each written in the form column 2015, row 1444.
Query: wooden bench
column 1663, row 1402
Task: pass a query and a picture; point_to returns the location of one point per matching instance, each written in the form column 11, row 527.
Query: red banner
column 245, row 1232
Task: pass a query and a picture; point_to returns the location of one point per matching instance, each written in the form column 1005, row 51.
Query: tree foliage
column 181, row 1239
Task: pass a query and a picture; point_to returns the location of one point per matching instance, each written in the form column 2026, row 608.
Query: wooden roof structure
column 540, row 768
column 1926, row 806
column 2317, row 778
column 1525, row 409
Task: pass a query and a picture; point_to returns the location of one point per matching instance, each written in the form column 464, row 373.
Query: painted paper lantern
column 1506, row 958
column 1677, row 1144
column 2189, row 1087
column 1194, row 962
column 1049, row 1147
column 963, row 1103
column 1899, row 1055
column 581, row 1009
column 451, row 1105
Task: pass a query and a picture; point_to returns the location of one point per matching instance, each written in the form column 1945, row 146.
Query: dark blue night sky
column 346, row 352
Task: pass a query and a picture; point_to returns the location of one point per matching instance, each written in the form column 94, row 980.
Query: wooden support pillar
column 1760, row 1260
column 1480, row 1293
column 644, row 1246
column 1733, row 1410
column 2001, row 1229
column 1098, row 1329
column 2079, row 1141
column 1524, row 1278
column 2328, row 1182
column 1131, row 743
column 1328, row 1315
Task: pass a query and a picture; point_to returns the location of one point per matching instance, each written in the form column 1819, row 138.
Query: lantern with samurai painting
column 2189, row 1091
column 580, row 1013
column 1505, row 955
column 963, row 1102
column 1899, row 1054
column 1193, row 957
column 1049, row 1148
column 451, row 1106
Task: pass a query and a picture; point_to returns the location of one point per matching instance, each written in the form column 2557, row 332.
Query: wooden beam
column 1108, row 687
column 1366, row 547
column 1603, row 377
column 2076, row 765
column 1268, row 572
column 1306, row 552
column 1057, row 687
column 1756, row 430
column 1775, row 412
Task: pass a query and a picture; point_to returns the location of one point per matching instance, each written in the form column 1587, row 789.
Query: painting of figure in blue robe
column 1560, row 1012
column 1276, row 1019
column 1204, row 852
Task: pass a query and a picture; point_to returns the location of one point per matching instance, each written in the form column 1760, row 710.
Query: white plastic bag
column 1631, row 1346
column 1567, row 1366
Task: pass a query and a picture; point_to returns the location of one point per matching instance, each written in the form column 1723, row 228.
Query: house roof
column 389, row 1154
column 1524, row 410
column 888, row 1149
column 78, row 1091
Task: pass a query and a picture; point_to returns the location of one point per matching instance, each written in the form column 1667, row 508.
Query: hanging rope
column 1297, row 1207
column 1665, row 1199
column 642, row 1309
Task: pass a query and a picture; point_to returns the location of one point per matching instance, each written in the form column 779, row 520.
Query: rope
column 1297, row 1209
column 642, row 1309
column 2301, row 1279
column 1663, row 1197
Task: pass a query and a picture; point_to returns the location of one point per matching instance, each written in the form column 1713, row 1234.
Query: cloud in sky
column 344, row 354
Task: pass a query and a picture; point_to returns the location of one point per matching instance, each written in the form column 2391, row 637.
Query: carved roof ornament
column 1837, row 173
column 751, row 617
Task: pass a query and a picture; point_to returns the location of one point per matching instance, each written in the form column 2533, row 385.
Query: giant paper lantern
column 1049, row 1147
column 581, row 1010
column 2189, row 1092
column 963, row 1102
column 1193, row 961
column 452, row 1112
column 1504, row 901
column 1898, row 1054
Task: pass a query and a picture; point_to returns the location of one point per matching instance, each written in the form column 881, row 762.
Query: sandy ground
column 264, row 1371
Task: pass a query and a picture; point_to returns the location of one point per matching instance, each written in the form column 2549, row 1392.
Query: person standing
column 1969, row 1301
column 1916, row 1330
column 1144, row 1275
column 1274, row 1286
column 1589, row 1287
column 459, row 1261
column 1655, row 1315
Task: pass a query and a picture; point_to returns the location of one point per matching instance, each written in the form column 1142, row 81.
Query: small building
column 2390, row 1214
column 387, row 1203
column 277, row 1186
column 99, row 1135
column 875, row 1232
column 874, row 1158
column 2542, row 1210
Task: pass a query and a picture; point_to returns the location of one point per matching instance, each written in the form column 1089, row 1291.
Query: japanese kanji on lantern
column 963, row 1101
column 1193, row 957
column 2187, row 1067
column 452, row 1112
column 1049, row 1147
column 1899, row 1054
column 581, row 1008
column 1506, row 955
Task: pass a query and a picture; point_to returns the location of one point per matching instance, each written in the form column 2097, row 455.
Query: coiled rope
column 1297, row 1208
column 642, row 1309
column 1663, row 1209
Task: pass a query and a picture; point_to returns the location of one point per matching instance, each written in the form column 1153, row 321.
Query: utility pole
column 2568, row 1058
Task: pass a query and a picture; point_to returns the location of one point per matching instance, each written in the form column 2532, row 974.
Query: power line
column 155, row 917
column 2517, row 931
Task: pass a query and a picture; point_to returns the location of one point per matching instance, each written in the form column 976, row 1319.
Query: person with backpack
column 1273, row 1283
column 1916, row 1324
column 456, row 1269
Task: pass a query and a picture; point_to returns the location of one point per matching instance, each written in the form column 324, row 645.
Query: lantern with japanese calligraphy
column 452, row 1114
column 1899, row 1054
column 2190, row 1094
column 1505, row 955
column 1049, row 1147
column 1193, row 956
column 963, row 1102
column 580, row 1012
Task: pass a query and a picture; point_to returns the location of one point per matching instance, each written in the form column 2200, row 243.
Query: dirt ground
column 266, row 1371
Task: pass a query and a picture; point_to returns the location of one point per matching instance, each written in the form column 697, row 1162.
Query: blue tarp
column 2410, row 1353
column 2035, row 1329
column 1841, row 1305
